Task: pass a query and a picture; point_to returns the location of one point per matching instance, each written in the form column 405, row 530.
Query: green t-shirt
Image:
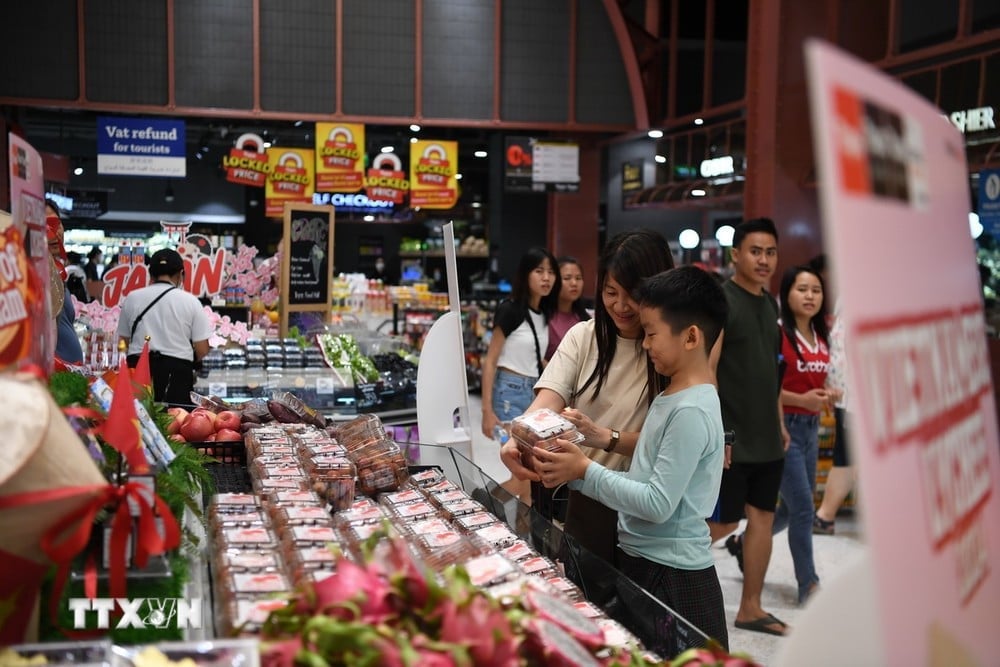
column 748, row 375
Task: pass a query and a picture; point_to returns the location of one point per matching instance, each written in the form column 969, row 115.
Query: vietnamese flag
column 140, row 374
column 121, row 428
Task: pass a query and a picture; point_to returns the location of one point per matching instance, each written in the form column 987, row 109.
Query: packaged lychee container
column 470, row 522
column 245, row 616
column 402, row 497
column 309, row 559
column 407, row 512
column 254, row 585
column 238, row 560
column 425, row 478
column 302, row 515
column 539, row 566
column 228, row 503
column 457, row 508
column 296, row 498
column 254, row 538
column 249, row 519
column 268, row 486
column 360, row 513
column 332, row 478
column 309, row 536
column 451, row 495
column 541, row 428
column 496, row 534
column 490, row 569
column 441, row 549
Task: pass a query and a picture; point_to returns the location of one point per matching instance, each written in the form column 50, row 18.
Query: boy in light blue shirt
column 673, row 481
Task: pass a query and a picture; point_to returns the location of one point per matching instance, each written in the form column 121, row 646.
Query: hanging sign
column 920, row 399
column 340, row 152
column 517, row 164
column 247, row 162
column 433, row 166
column 291, row 179
column 386, row 180
column 141, row 147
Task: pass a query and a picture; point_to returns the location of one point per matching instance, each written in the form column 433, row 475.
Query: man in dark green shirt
column 747, row 373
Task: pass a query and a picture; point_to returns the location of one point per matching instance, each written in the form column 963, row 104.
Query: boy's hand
column 561, row 466
column 510, row 455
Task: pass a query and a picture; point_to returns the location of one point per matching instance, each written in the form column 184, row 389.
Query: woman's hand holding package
column 510, row 455
column 596, row 436
column 560, row 466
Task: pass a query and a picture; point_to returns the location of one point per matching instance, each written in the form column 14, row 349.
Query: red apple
column 228, row 420
column 208, row 413
column 177, row 437
column 227, row 435
column 197, row 427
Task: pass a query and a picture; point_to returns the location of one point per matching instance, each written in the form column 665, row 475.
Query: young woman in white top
column 514, row 359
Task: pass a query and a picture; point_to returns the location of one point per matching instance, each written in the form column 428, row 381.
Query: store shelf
column 440, row 253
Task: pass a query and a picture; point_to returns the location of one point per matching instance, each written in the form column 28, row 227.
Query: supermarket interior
column 367, row 333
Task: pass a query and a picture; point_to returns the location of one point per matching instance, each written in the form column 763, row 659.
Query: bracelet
column 615, row 437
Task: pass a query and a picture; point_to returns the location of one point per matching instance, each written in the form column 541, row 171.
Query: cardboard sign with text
column 894, row 192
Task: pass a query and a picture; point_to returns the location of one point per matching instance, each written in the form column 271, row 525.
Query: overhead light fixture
column 78, row 171
column 458, row 177
column 369, row 218
column 387, row 149
column 414, row 128
column 654, row 134
column 413, row 140
column 168, row 194
column 477, row 204
column 298, row 123
column 480, row 153
column 699, row 121
column 267, row 144
column 689, row 239
column 698, row 192
column 724, row 235
column 661, row 159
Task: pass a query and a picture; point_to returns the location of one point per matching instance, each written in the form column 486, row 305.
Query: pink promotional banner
column 894, row 193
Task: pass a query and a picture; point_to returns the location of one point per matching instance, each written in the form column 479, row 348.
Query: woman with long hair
column 600, row 379
column 804, row 395
column 570, row 309
column 514, row 359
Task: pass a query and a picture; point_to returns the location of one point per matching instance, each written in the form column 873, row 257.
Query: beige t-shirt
column 622, row 403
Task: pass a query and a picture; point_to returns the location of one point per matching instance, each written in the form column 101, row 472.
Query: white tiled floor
column 779, row 596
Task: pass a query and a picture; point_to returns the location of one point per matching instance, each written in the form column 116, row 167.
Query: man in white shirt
column 176, row 324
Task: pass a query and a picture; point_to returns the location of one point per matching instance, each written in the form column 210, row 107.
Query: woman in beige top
column 600, row 379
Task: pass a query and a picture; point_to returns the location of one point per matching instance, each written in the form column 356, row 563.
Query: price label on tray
column 366, row 394
column 324, row 386
column 218, row 389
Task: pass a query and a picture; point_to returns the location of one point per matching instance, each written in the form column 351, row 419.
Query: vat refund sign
column 140, row 147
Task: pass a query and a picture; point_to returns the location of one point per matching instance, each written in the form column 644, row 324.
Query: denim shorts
column 512, row 394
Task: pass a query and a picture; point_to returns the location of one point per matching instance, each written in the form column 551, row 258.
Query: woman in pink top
column 570, row 309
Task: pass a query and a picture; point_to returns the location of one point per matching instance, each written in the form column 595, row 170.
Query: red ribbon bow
column 70, row 535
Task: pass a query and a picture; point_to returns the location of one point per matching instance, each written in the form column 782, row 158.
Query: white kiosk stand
column 442, row 386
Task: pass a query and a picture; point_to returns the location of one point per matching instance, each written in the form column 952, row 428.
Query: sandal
column 734, row 545
column 764, row 624
column 821, row 526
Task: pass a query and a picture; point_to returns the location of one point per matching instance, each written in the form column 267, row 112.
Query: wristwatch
column 615, row 437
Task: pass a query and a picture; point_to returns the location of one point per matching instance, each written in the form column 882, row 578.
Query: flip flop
column 763, row 624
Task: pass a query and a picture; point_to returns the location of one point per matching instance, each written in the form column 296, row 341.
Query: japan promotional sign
column 433, row 166
column 895, row 200
column 340, row 157
column 292, row 178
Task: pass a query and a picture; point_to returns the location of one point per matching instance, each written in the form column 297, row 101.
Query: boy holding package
column 673, row 482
